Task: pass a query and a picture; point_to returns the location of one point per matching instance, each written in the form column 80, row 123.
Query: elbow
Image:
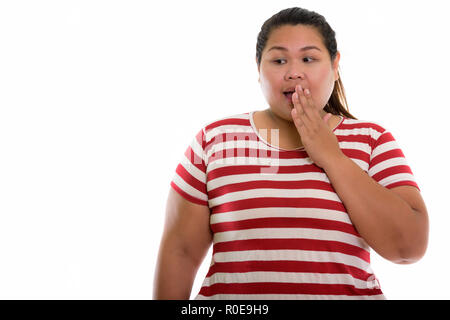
column 414, row 244
column 407, row 260
column 411, row 253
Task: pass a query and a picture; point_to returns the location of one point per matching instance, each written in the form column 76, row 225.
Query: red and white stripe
column 280, row 230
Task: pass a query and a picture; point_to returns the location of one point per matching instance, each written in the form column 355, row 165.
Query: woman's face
column 282, row 69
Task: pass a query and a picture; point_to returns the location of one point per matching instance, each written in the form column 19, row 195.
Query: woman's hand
column 319, row 141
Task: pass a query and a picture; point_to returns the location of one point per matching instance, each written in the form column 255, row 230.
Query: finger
column 299, row 117
column 297, row 121
column 297, row 105
column 305, row 107
column 313, row 112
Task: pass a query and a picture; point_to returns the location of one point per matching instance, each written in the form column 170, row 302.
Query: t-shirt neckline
column 255, row 130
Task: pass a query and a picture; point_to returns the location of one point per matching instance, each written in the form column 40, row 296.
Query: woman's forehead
column 294, row 36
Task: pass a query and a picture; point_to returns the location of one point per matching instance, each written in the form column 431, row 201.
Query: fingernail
column 306, row 91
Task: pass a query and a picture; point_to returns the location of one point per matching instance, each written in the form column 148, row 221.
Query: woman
column 292, row 197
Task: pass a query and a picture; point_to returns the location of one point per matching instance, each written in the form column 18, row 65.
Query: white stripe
column 221, row 162
column 291, row 233
column 365, row 122
column 236, row 178
column 289, row 277
column 224, row 155
column 226, row 148
column 254, row 213
column 287, row 297
column 197, row 149
column 355, row 145
column 386, row 164
column 358, row 131
column 382, row 148
column 258, row 150
column 280, row 193
column 188, row 189
column 193, row 170
column 293, row 255
column 227, row 128
column 397, row 178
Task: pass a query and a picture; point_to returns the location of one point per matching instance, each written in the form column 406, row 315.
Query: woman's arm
column 394, row 222
column 184, row 244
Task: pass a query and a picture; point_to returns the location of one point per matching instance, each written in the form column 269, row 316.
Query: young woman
column 292, row 197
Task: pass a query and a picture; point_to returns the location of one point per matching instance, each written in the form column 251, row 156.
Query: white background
column 99, row 100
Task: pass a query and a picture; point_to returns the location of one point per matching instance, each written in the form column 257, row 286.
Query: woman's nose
column 295, row 74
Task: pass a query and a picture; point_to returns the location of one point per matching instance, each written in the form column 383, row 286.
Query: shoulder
column 361, row 125
column 369, row 132
column 232, row 123
column 236, row 119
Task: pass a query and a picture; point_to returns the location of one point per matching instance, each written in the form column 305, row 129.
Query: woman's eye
column 278, row 61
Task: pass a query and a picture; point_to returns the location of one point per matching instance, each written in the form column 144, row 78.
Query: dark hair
column 337, row 104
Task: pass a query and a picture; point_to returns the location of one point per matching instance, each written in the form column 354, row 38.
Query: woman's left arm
column 394, row 222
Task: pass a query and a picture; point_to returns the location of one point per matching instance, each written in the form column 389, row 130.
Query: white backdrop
column 99, row 100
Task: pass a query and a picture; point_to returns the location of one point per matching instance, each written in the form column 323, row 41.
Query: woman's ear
column 336, row 66
column 257, row 66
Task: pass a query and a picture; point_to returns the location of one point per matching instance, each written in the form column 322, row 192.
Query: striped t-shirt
column 280, row 231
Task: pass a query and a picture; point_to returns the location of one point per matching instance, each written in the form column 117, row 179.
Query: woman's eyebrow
column 302, row 49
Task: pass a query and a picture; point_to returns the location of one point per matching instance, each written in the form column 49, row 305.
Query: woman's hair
column 337, row 104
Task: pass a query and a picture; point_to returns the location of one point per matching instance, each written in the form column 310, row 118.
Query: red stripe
column 403, row 183
column 394, row 153
column 234, row 151
column 232, row 170
column 191, row 180
column 357, row 154
column 231, row 153
column 288, row 266
column 391, row 171
column 250, row 185
column 227, row 122
column 357, row 138
column 258, row 152
column 312, row 223
column 279, row 202
column 383, row 138
column 353, row 138
column 292, row 244
column 223, row 137
column 188, row 196
column 201, row 138
column 195, row 159
column 285, row 288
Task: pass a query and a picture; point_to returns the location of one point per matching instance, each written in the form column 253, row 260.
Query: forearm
column 383, row 219
column 174, row 275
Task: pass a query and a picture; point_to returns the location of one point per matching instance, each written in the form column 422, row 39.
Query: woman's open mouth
column 288, row 95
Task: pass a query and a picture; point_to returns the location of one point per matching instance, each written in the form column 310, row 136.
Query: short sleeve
column 388, row 165
column 189, row 179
